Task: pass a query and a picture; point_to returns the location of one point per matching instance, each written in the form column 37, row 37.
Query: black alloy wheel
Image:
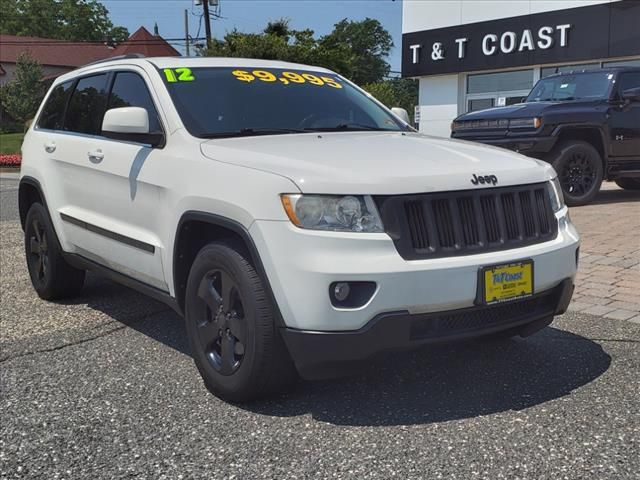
column 222, row 325
column 580, row 171
column 38, row 250
column 231, row 325
column 578, row 175
column 51, row 276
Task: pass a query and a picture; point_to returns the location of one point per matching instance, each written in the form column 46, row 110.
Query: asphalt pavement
column 104, row 387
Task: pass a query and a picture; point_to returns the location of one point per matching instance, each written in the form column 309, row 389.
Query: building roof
column 149, row 45
column 64, row 53
column 47, row 51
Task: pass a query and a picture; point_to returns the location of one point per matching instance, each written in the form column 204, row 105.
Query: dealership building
column 475, row 54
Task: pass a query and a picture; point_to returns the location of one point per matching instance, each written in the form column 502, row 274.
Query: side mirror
column 402, row 114
column 631, row 95
column 130, row 124
column 523, row 100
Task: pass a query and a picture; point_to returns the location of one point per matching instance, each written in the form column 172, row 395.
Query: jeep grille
column 466, row 222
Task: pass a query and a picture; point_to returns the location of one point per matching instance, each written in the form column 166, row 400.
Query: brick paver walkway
column 608, row 282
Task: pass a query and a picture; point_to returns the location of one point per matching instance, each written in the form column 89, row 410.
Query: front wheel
column 51, row 276
column 629, row 183
column 580, row 171
column 231, row 327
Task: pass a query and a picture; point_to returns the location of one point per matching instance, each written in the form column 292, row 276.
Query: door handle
column 96, row 155
column 50, row 147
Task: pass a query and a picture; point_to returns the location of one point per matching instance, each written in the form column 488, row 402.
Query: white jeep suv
column 296, row 223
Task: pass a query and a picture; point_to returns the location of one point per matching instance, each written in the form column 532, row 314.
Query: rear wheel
column 51, row 276
column 231, row 327
column 629, row 183
column 580, row 171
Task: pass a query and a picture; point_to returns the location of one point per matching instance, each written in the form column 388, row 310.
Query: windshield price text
column 285, row 78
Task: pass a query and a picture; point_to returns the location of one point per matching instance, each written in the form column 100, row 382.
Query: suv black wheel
column 231, row 327
column 629, row 183
column 52, row 277
column 580, row 171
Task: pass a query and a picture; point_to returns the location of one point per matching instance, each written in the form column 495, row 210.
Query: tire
column 231, row 328
column 580, row 171
column 628, row 183
column 51, row 276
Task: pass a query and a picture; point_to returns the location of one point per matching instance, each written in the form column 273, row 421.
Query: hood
column 519, row 110
column 376, row 163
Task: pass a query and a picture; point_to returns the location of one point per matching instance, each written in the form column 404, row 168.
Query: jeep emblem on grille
column 492, row 179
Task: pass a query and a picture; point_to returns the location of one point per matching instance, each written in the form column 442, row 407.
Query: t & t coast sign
column 584, row 33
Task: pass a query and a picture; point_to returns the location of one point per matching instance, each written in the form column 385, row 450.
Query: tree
column 356, row 50
column 22, row 96
column 78, row 20
column 397, row 92
column 369, row 43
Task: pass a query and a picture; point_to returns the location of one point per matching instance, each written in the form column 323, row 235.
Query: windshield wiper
column 248, row 132
column 349, row 126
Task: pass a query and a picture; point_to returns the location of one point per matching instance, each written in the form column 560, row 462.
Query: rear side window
column 52, row 114
column 130, row 90
column 629, row 80
column 87, row 106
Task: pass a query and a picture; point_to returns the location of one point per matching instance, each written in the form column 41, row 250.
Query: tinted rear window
column 87, row 106
column 629, row 80
column 52, row 114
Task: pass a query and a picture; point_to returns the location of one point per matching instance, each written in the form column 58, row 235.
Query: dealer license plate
column 501, row 283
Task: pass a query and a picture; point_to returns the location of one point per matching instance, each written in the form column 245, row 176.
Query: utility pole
column 207, row 21
column 186, row 29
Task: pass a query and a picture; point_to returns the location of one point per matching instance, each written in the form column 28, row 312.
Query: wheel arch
column 591, row 134
column 195, row 230
column 29, row 192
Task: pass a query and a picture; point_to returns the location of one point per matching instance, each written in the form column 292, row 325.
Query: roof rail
column 117, row 57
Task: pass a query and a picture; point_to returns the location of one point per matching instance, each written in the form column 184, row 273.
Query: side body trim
column 132, row 242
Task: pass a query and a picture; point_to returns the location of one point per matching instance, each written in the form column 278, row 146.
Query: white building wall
column 420, row 15
column 438, row 104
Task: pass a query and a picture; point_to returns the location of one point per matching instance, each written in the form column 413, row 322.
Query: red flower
column 12, row 160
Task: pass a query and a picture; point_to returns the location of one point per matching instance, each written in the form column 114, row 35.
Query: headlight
column 333, row 212
column 555, row 195
column 525, row 122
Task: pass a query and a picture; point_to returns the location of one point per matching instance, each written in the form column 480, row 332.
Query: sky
column 253, row 15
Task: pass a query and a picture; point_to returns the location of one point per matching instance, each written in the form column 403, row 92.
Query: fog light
column 349, row 295
column 341, row 291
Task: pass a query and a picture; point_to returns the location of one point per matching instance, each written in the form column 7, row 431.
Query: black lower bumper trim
column 526, row 145
column 325, row 354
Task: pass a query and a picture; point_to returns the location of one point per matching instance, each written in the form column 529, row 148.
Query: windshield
column 583, row 86
column 226, row 102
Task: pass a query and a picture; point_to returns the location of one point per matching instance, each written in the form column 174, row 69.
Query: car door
column 110, row 213
column 624, row 119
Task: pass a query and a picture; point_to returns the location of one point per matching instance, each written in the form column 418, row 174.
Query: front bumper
column 301, row 265
column 527, row 145
column 327, row 354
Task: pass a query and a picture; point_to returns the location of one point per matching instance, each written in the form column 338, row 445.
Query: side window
column 130, row 90
column 52, row 113
column 87, row 106
column 629, row 80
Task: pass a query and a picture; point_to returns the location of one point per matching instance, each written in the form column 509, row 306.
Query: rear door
column 110, row 214
column 624, row 119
